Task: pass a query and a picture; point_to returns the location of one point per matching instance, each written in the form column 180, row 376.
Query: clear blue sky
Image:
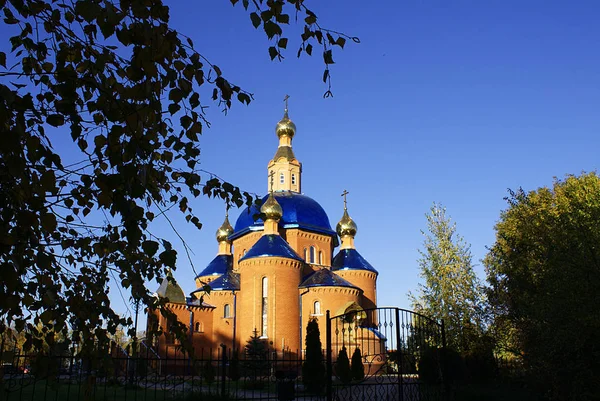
column 445, row 101
column 452, row 102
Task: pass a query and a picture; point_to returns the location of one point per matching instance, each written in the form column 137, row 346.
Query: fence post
column 329, row 359
column 445, row 383
column 223, row 369
column 400, row 355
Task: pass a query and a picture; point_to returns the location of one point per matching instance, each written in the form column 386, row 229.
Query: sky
column 442, row 101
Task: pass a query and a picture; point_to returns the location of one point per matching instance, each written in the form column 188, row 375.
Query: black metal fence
column 213, row 374
column 399, row 353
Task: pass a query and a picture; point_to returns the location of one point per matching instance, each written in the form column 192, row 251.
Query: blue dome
column 229, row 281
column 271, row 245
column 217, row 266
column 299, row 211
column 350, row 259
column 325, row 278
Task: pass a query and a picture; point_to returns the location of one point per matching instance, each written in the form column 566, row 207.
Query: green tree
column 544, row 284
column 357, row 368
column 313, row 368
column 451, row 291
column 342, row 367
column 130, row 92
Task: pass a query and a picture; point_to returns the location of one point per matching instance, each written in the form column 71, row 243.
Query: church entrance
column 384, row 353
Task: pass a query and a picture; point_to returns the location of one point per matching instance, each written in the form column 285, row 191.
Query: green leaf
column 3, row 59
column 340, row 42
column 282, row 43
column 309, row 49
column 273, row 52
column 150, row 247
column 255, row 20
column 48, row 222
column 55, row 120
column 328, row 57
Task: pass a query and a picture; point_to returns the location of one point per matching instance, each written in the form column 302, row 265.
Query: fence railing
column 143, row 375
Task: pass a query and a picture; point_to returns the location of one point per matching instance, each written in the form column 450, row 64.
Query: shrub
column 342, row 367
column 357, row 369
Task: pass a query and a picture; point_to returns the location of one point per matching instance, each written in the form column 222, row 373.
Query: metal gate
column 401, row 353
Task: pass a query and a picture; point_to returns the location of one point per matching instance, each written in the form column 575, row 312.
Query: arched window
column 306, row 254
column 226, row 311
column 312, row 254
column 281, row 178
column 197, row 328
column 320, row 257
column 293, row 179
column 265, row 291
column 317, row 309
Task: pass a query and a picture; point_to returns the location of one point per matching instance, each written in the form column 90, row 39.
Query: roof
column 299, row 211
column 271, row 245
column 229, row 281
column 171, row 290
column 285, row 152
column 325, row 278
column 350, row 259
column 219, row 265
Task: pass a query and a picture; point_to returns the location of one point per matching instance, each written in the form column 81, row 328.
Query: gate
column 401, row 353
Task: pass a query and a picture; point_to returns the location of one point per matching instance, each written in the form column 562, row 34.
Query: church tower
column 350, row 265
column 286, row 169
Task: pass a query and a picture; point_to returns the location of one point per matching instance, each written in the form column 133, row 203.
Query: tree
column 543, row 281
column 313, row 369
column 126, row 88
column 357, row 368
column 451, row 290
column 342, row 367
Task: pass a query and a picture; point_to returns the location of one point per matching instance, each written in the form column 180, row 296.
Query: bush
column 431, row 369
column 342, row 367
column 357, row 369
column 313, row 369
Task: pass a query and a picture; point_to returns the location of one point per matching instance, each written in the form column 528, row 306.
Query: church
column 275, row 270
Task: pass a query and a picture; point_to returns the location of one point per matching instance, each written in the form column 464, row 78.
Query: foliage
column 313, row 368
column 233, row 371
column 342, row 367
column 357, row 368
column 451, row 291
column 208, row 372
column 437, row 364
column 100, row 103
column 257, row 358
column 543, row 284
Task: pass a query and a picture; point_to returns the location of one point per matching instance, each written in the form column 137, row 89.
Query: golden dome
column 285, row 126
column 225, row 230
column 271, row 208
column 346, row 225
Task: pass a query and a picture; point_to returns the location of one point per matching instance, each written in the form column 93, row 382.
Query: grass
column 494, row 391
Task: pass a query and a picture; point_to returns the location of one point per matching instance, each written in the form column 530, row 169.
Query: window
column 306, row 254
column 293, row 179
column 320, row 257
column 265, row 288
column 226, row 311
column 199, row 327
column 312, row 254
column 281, row 178
column 317, row 309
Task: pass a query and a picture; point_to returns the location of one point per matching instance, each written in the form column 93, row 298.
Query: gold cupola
column 271, row 208
column 284, row 164
column 285, row 127
column 346, row 228
column 223, row 234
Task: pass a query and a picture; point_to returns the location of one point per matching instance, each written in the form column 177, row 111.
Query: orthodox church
column 272, row 276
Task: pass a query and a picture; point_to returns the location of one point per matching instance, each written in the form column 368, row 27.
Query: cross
column 344, row 195
column 285, row 99
column 272, row 175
